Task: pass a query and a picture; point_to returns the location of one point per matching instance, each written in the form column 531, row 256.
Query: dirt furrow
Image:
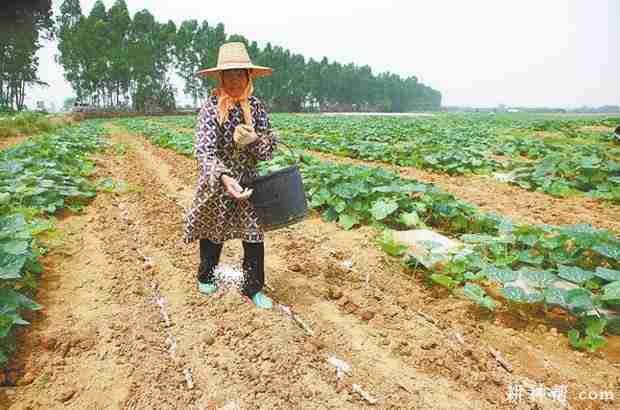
column 377, row 328
column 305, row 354
column 491, row 195
column 99, row 326
column 504, row 199
column 105, row 342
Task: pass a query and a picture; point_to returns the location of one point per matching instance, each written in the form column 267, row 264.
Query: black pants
column 253, row 264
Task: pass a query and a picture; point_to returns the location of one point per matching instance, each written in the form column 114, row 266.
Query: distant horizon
column 559, row 54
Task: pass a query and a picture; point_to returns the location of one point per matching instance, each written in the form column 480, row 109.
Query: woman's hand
column 244, row 135
column 234, row 189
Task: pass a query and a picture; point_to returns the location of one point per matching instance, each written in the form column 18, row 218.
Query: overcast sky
column 476, row 52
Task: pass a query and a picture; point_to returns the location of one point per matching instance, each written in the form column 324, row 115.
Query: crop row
column 38, row 178
column 578, row 161
column 574, row 268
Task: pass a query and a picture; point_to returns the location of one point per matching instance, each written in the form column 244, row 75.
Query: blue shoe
column 262, row 301
column 207, row 288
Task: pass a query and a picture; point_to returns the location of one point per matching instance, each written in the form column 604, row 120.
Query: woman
column 232, row 135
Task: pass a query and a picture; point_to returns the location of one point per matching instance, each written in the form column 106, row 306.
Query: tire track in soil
column 393, row 350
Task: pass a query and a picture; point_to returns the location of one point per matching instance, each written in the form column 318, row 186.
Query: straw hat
column 232, row 56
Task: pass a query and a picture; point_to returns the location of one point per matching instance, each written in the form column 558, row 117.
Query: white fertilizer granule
column 229, row 276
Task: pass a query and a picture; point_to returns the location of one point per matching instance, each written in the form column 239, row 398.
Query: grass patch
column 25, row 123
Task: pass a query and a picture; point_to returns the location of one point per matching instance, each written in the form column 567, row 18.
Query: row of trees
column 24, row 25
column 111, row 59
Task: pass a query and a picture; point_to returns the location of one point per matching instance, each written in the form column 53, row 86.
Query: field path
column 124, row 327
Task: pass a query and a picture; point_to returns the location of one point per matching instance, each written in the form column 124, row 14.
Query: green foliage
column 37, row 179
column 451, row 144
column 162, row 136
column 49, row 173
column 457, row 144
column 24, row 25
column 589, row 336
column 132, row 59
column 587, row 169
column 389, row 245
column 25, row 123
column 479, row 296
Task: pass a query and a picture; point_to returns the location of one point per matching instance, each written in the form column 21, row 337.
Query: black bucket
column 279, row 198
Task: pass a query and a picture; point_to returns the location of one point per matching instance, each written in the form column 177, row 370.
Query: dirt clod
column 67, row 395
column 334, row 293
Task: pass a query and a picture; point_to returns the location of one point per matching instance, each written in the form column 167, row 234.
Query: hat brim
column 255, row 70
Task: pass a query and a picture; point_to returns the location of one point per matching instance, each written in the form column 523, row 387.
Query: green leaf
column 552, row 243
column 595, row 326
column 474, row 276
column 443, row 280
column 347, row 221
column 11, row 299
column 484, row 239
column 11, row 265
column 478, row 295
column 381, row 209
column 609, row 275
column 608, row 251
column 15, row 247
column 517, row 294
column 574, row 339
column 409, row 218
column 539, row 278
column 345, row 190
column 594, row 343
column 555, row 296
column 402, row 188
column 613, row 325
column 329, row 215
column 500, row 275
column 611, row 291
column 579, row 300
column 3, row 358
column 530, row 257
column 389, row 245
column 33, row 265
column 6, row 323
column 339, row 205
column 574, row 274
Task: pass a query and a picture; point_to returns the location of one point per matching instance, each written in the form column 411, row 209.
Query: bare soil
column 10, row 141
column 597, row 128
column 125, row 328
